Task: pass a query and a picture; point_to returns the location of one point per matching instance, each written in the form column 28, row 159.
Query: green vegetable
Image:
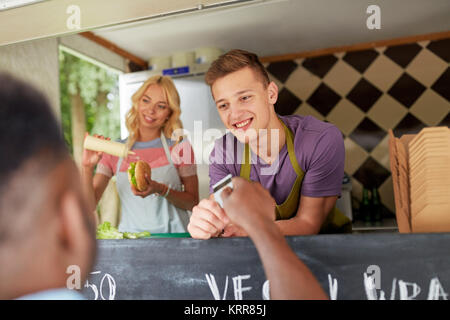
column 129, row 235
column 143, row 234
column 132, row 171
column 106, row 231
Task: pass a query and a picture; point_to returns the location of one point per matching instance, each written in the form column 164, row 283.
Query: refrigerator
column 199, row 115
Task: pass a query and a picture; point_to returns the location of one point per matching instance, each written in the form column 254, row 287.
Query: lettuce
column 143, row 234
column 129, row 235
column 132, row 171
column 106, row 231
column 136, row 235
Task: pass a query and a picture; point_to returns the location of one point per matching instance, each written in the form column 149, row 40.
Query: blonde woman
column 173, row 188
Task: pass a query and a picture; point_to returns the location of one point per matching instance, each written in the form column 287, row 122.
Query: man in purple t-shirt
column 298, row 159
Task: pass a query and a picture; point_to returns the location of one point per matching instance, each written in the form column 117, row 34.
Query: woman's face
column 243, row 103
column 153, row 108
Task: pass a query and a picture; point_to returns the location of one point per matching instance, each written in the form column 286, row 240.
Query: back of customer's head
column 44, row 225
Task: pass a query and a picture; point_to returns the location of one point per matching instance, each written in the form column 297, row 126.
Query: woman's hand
column 152, row 187
column 92, row 158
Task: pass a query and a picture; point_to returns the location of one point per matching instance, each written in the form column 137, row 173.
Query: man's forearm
column 277, row 257
column 296, row 227
column 310, row 216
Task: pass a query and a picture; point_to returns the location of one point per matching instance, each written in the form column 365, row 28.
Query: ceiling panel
column 275, row 27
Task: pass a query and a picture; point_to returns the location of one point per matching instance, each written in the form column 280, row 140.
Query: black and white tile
column 365, row 93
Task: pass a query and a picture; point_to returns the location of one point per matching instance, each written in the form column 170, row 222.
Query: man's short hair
column 233, row 61
column 29, row 134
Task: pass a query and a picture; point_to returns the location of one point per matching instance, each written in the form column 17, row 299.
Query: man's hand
column 248, row 204
column 208, row 220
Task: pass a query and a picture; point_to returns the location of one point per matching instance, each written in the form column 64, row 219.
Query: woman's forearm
column 88, row 186
column 182, row 199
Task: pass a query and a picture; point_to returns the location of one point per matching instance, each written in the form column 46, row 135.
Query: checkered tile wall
column 365, row 93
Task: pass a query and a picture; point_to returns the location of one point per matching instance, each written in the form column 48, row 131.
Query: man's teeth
column 242, row 124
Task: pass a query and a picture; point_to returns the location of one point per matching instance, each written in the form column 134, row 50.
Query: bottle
column 376, row 206
column 114, row 148
column 364, row 208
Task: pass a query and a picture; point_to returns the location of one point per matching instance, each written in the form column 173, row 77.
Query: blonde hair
column 173, row 99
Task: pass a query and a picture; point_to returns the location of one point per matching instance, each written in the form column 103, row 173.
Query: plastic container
column 160, row 63
column 206, row 54
column 182, row 59
column 111, row 147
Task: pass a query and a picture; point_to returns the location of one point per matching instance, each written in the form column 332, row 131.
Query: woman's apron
column 152, row 213
column 336, row 221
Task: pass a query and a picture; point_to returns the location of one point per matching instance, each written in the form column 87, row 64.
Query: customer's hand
column 233, row 230
column 248, row 204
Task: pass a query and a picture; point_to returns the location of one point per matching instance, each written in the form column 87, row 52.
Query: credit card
column 219, row 186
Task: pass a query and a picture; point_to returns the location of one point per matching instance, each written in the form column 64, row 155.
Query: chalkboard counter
column 400, row 265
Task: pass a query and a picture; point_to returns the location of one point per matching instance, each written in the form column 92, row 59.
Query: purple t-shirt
column 320, row 151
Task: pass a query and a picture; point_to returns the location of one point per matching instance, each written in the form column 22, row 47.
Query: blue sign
column 175, row 71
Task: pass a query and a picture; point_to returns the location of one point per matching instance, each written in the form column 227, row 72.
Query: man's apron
column 336, row 221
column 152, row 213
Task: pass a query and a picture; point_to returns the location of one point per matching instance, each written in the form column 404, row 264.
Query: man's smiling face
column 243, row 102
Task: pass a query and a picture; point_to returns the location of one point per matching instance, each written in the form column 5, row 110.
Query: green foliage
column 99, row 92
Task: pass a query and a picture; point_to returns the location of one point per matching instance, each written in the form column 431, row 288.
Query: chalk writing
column 407, row 290
column 237, row 286
column 393, row 288
column 403, row 290
column 213, row 286
column 371, row 288
column 436, row 290
column 96, row 290
column 266, row 290
column 412, row 266
column 333, row 287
